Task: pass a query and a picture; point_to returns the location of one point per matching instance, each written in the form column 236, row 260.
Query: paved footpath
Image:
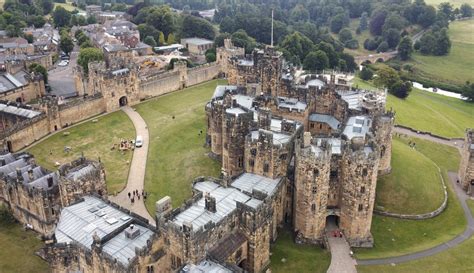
column 341, row 260
column 457, row 143
column 136, row 175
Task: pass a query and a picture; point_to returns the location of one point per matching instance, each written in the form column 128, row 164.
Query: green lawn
column 17, row 253
column 456, row 67
column 177, row 154
column 94, row 140
column 290, row 257
column 402, row 190
column 394, row 237
column 457, row 259
column 455, row 3
column 441, row 115
column 68, row 6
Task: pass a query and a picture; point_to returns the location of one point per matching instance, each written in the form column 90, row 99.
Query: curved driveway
column 136, row 175
column 461, row 195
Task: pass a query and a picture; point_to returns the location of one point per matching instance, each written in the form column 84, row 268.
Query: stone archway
column 123, row 101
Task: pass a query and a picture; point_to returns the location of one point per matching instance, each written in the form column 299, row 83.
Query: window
column 251, row 163
column 312, row 125
column 320, row 126
column 362, row 189
column 333, row 174
column 364, row 172
column 313, row 207
column 360, row 207
column 283, row 156
column 241, row 162
column 316, row 172
column 253, row 151
column 315, row 190
column 265, row 168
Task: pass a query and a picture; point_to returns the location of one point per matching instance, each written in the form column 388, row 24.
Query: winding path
column 461, row 195
column 136, row 175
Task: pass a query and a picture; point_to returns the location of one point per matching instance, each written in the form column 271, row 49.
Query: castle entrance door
column 123, row 101
column 332, row 222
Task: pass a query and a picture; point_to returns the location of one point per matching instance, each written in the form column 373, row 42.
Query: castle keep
column 297, row 149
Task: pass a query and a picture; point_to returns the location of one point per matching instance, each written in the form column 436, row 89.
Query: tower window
column 315, row 190
column 313, row 207
column 316, row 172
column 362, row 189
column 360, row 207
column 364, row 172
column 265, row 168
column 251, row 163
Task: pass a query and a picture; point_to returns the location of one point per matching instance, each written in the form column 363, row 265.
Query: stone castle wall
column 466, row 167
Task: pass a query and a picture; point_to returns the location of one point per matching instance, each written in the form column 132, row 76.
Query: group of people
column 337, row 233
column 123, row 145
column 136, row 194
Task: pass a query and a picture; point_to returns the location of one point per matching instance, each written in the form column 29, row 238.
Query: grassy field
column 455, row 3
column 457, row 259
column 177, row 154
column 394, row 237
column 290, row 257
column 426, row 111
column 68, row 6
column 402, row 190
column 94, row 140
column 456, row 67
column 17, row 253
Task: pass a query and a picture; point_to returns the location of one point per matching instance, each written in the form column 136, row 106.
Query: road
column 61, row 79
column 136, row 175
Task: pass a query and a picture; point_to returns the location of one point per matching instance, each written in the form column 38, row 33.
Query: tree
column 345, row 35
column 386, row 77
column 197, row 27
column 338, row 22
column 299, row 13
column 297, row 46
column 465, row 10
column 29, row 37
column 37, row 68
column 443, row 43
column 210, row 57
column 66, row 44
column 383, row 47
column 427, row 17
column 366, row 74
column 241, row 39
column 147, row 30
column 392, row 36
column 149, row 40
column 87, row 55
column 330, row 52
column 227, row 25
column 352, row 44
column 427, row 43
column 405, row 48
column 394, row 21
column 161, row 38
column 316, row 61
column 349, row 62
column 171, row 39
column 447, row 9
column 468, row 91
column 61, row 17
column 376, row 22
column 400, row 89
column 91, row 20
column 364, row 21
column 87, row 43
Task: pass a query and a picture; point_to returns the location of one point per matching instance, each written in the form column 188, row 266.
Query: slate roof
column 227, row 246
column 328, row 119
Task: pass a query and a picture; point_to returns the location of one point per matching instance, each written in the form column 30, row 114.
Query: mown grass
column 404, row 190
column 68, row 6
column 290, row 257
column 177, row 154
column 395, row 237
column 17, row 253
column 424, row 111
column 455, row 3
column 94, row 140
column 457, row 259
column 456, row 67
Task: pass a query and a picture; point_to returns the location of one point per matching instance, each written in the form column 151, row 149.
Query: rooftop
column 291, row 103
column 9, row 82
column 248, row 182
column 205, row 266
column 328, row 119
column 18, row 111
column 357, row 126
column 226, row 202
column 196, row 41
column 80, row 222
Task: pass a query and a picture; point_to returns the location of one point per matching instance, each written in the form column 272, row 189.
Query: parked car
column 63, row 63
column 139, row 142
column 65, row 57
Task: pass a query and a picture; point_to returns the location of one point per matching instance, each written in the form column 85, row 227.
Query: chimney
column 210, row 203
column 18, row 174
column 131, row 232
column 306, row 139
column 30, row 174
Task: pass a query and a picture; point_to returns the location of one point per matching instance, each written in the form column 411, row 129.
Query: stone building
column 466, row 168
column 36, row 196
column 256, row 125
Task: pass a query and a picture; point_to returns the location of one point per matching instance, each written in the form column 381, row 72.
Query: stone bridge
column 373, row 58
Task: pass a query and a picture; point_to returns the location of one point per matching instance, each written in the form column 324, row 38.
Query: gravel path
column 136, row 175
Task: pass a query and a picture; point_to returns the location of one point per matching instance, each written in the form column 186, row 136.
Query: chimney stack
column 306, row 139
column 210, row 203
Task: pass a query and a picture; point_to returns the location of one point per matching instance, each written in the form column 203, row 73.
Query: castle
column 301, row 150
column 466, row 167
